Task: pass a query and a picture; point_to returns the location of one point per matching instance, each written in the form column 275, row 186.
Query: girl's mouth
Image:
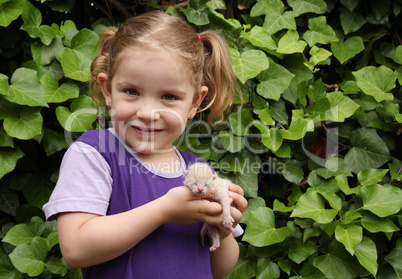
column 146, row 132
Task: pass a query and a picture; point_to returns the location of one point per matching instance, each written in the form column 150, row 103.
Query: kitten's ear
column 185, row 172
column 214, row 176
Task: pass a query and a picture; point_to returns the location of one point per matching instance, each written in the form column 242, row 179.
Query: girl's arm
column 88, row 239
column 225, row 257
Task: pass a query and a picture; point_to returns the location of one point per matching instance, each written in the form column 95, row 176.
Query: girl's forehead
column 157, row 51
column 157, row 55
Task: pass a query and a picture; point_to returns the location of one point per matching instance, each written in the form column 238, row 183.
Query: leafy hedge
column 316, row 145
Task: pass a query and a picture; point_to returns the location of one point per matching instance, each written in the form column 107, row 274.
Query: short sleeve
column 84, row 184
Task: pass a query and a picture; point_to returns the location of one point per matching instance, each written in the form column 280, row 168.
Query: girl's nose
column 147, row 112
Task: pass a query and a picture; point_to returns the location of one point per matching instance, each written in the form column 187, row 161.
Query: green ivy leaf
column 337, row 264
column 10, row 11
column 350, row 217
column 197, row 12
column 343, row 184
column 309, row 271
column 259, row 37
column 381, row 200
column 350, row 4
column 375, row 224
column 320, row 32
column 5, row 140
column 38, row 192
column 366, row 253
column 334, row 166
column 308, row 6
column 297, row 129
column 60, row 6
column 333, row 199
column 25, row 125
column 253, row 203
column 348, row 49
column 9, row 200
column 267, row 269
column 271, row 138
column 371, row 176
column 311, row 205
column 81, row 115
column 28, row 257
column 293, row 171
column 240, row 122
column 368, row 151
column 290, row 43
column 24, row 233
column 376, row 82
column 72, row 65
column 248, row 181
column 299, row 251
column 281, row 207
column 32, row 19
column 57, row 266
column 318, row 55
column 3, row 84
column 44, row 54
column 350, row 21
column 53, row 142
column 249, row 63
column 395, row 259
column 261, row 229
column 273, row 81
column 218, row 19
column 276, row 18
column 56, row 94
column 25, row 89
column 340, row 108
column 54, row 69
column 231, row 142
column 242, row 169
column 9, row 158
column 85, row 43
column 217, row 5
column 349, row 237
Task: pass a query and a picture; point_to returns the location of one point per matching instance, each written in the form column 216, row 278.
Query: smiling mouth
column 146, row 131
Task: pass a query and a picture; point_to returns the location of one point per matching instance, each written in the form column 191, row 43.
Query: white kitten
column 200, row 179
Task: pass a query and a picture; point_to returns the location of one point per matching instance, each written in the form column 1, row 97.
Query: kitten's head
column 199, row 178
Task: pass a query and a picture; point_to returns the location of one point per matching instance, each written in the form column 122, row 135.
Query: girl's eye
column 169, row 97
column 131, row 92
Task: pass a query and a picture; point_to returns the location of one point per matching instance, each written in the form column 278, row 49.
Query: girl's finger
column 236, row 188
column 240, row 202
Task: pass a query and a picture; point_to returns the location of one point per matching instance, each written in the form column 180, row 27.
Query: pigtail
column 218, row 75
column 100, row 64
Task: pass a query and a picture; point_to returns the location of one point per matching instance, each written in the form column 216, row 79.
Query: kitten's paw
column 228, row 223
column 213, row 247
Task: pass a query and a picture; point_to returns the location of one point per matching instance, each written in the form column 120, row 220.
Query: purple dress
column 111, row 179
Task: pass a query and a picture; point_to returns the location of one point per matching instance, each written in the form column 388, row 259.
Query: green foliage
column 316, row 145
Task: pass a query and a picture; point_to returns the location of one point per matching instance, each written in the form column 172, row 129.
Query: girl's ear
column 202, row 92
column 104, row 85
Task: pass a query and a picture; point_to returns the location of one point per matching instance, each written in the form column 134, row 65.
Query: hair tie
column 199, row 37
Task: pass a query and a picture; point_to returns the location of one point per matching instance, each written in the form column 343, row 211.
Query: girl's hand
column 181, row 206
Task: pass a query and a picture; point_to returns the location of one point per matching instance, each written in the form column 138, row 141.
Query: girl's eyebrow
column 174, row 91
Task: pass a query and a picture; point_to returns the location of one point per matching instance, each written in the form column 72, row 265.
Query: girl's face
column 151, row 99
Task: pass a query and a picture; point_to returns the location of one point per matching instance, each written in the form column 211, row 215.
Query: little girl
column 122, row 210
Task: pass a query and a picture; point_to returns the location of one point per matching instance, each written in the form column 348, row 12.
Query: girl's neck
column 164, row 161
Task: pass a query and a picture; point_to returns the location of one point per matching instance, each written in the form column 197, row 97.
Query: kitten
column 200, row 179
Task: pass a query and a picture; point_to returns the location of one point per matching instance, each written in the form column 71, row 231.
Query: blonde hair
column 208, row 58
